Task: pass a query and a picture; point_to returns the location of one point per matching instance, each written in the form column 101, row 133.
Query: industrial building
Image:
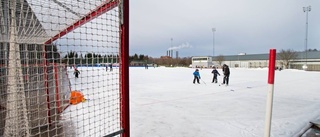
column 311, row 59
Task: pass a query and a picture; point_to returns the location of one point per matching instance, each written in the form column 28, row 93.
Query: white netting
column 42, row 43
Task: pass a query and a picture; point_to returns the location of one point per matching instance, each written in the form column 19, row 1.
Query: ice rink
column 165, row 103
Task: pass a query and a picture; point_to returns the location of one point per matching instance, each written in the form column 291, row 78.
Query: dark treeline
column 73, row 57
column 173, row 62
column 162, row 61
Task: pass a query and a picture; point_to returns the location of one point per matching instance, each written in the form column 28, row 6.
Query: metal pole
column 306, row 9
column 213, row 30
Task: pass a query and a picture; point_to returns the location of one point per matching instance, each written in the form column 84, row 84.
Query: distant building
column 244, row 60
column 165, row 57
column 137, row 63
column 202, row 62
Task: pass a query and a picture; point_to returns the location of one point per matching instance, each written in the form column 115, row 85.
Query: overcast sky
column 242, row 26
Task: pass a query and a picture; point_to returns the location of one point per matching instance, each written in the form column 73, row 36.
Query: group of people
column 226, row 73
column 110, row 65
column 77, row 72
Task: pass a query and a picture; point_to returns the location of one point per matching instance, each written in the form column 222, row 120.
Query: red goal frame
column 124, row 54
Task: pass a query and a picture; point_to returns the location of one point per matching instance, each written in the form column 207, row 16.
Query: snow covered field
column 165, row 103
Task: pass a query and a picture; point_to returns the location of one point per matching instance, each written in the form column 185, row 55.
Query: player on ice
column 76, row 73
column 110, row 66
column 215, row 75
column 226, row 73
column 196, row 75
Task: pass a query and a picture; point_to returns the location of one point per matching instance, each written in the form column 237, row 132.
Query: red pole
column 124, row 32
column 272, row 60
column 46, row 85
column 56, row 79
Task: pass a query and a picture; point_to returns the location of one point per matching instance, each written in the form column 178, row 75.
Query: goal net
column 64, row 68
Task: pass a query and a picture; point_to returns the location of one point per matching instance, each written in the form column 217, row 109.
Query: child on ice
column 215, row 75
column 196, row 75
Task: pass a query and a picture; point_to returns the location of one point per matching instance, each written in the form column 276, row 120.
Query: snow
column 165, row 103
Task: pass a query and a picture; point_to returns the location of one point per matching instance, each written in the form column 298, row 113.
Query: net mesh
column 42, row 44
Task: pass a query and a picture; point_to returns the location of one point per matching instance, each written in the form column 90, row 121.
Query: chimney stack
column 177, row 54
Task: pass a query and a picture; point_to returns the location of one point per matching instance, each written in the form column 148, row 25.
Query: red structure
column 124, row 65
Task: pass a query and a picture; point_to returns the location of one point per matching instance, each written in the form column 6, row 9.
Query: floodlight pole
column 213, row 30
column 307, row 10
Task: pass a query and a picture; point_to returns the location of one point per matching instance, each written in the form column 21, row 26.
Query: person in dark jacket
column 196, row 75
column 110, row 66
column 215, row 75
column 76, row 73
column 226, row 73
column 145, row 66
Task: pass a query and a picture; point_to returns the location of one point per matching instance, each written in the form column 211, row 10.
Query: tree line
column 163, row 61
column 92, row 58
column 73, row 57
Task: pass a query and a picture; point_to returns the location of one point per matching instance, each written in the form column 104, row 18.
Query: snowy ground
column 165, row 103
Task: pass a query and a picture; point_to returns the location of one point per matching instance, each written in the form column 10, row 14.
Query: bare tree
column 286, row 56
column 219, row 59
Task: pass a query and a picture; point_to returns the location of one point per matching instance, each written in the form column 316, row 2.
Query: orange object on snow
column 76, row 97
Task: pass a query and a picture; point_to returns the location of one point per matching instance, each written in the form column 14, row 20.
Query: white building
column 202, row 62
column 260, row 61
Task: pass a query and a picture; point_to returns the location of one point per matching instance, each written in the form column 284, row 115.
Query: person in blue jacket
column 196, row 75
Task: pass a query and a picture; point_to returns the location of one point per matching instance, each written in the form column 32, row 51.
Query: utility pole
column 307, row 10
column 213, row 30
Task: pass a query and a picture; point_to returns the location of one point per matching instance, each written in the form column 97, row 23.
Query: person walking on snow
column 110, row 66
column 226, row 73
column 215, row 75
column 196, row 75
column 76, row 73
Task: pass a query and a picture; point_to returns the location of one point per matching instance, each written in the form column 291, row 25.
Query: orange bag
column 76, row 97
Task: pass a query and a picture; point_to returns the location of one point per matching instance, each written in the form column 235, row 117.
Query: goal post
column 50, row 48
column 125, row 69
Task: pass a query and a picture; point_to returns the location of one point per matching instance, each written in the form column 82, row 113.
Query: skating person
column 110, row 65
column 226, row 73
column 146, row 66
column 106, row 68
column 196, row 75
column 215, row 75
column 223, row 68
column 76, row 73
